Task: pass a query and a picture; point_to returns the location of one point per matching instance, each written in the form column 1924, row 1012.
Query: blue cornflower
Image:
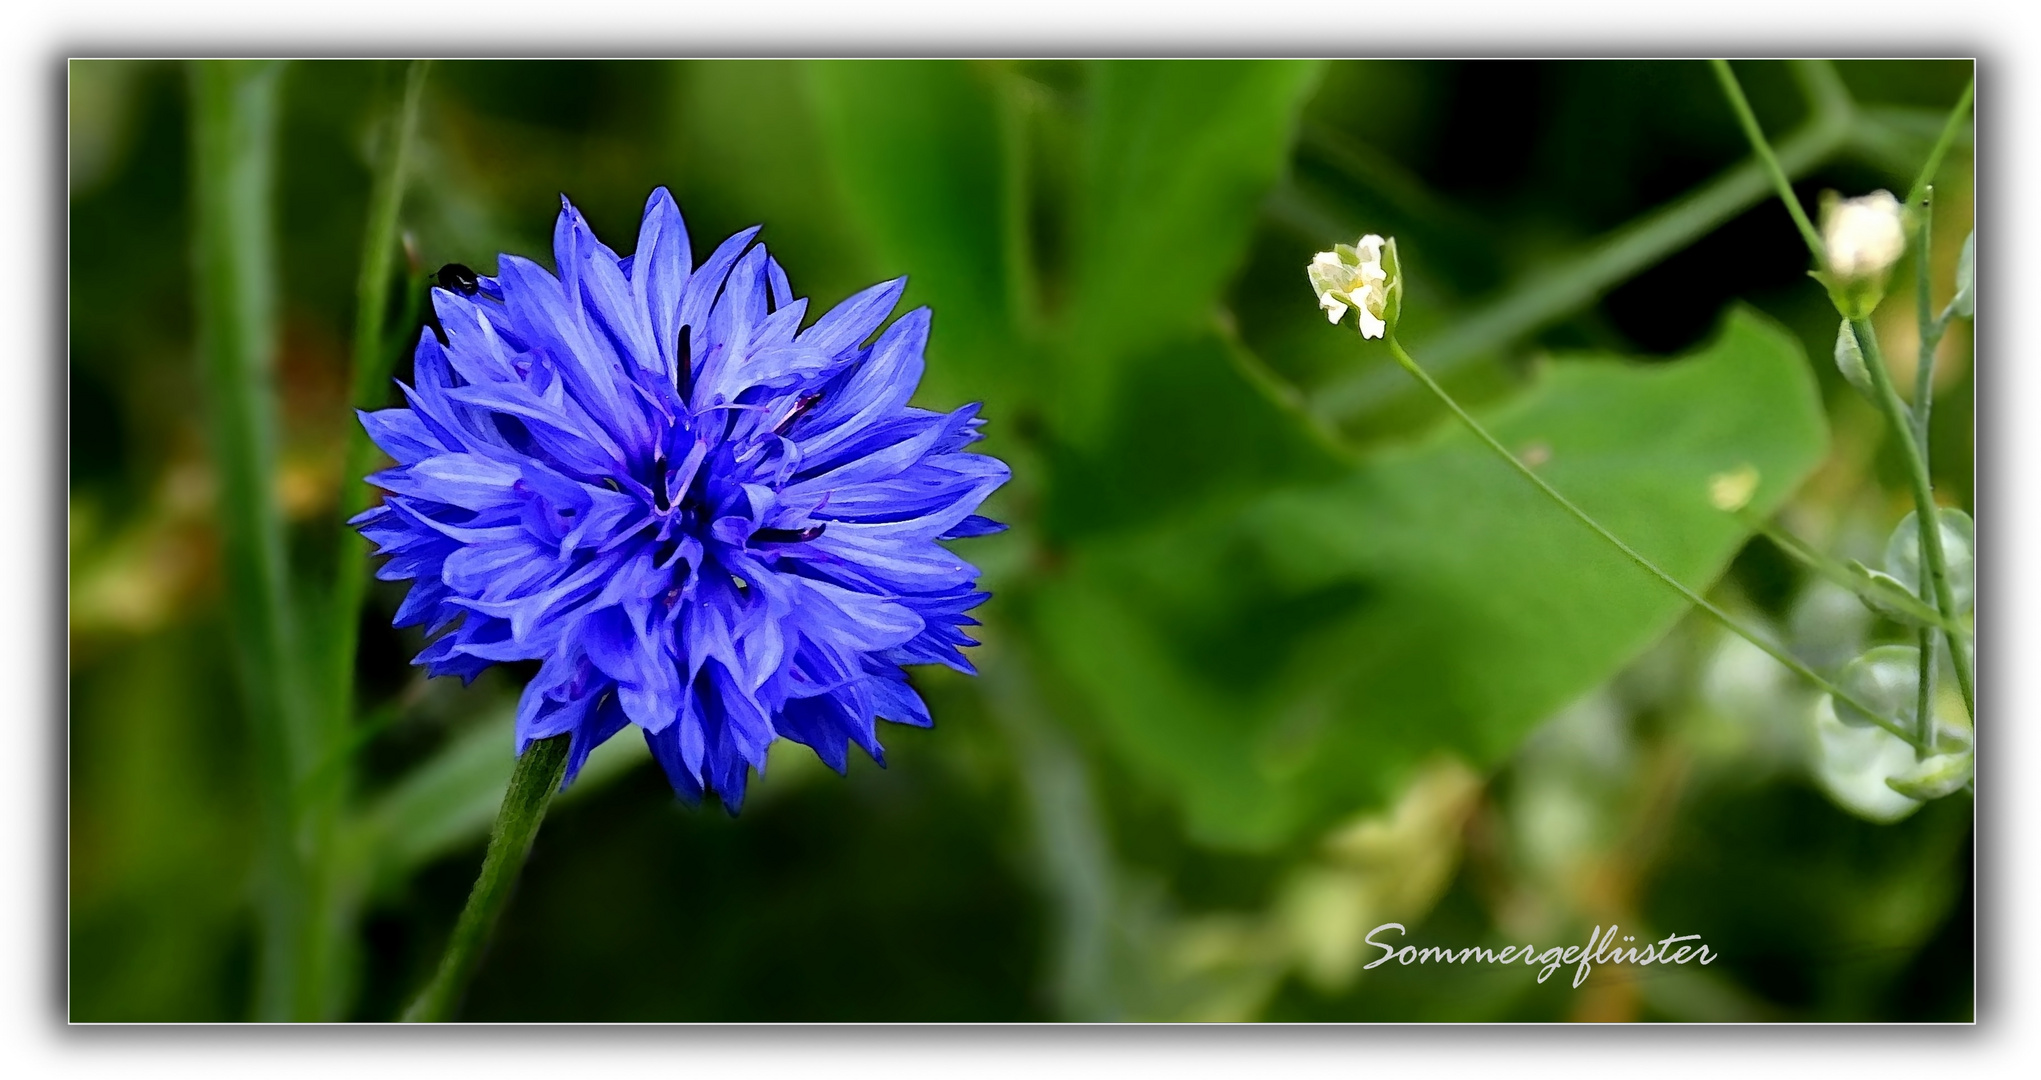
column 703, row 519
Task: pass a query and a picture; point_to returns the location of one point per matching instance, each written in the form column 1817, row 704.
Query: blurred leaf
column 448, row 802
column 161, row 833
column 923, row 152
column 1190, row 431
column 751, row 152
column 1179, row 156
column 1275, row 668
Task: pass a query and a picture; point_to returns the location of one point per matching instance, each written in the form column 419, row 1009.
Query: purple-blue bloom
column 703, row 519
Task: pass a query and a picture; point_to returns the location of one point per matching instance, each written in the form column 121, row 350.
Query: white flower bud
column 1354, row 276
column 1864, row 236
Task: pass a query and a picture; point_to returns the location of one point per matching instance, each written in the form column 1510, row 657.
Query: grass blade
column 234, row 116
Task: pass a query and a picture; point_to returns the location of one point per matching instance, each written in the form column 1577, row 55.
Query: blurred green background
column 1274, row 655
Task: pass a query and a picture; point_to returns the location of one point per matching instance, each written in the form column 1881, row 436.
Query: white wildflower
column 1354, row 276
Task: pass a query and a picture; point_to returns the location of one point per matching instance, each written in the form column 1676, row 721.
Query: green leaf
column 925, row 156
column 1273, row 668
column 1178, row 157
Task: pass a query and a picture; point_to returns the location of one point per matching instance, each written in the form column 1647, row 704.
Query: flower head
column 701, row 517
column 1357, row 276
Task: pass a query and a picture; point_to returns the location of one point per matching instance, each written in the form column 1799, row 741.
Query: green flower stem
column 1931, row 328
column 532, row 784
column 1728, row 621
column 1734, row 92
column 373, row 359
column 233, row 133
column 1924, row 695
column 1930, row 332
column 1923, row 500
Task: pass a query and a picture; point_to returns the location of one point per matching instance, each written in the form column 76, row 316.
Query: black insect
column 787, row 536
column 456, row 277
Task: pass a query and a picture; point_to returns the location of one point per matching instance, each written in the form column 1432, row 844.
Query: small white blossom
column 1353, row 276
column 1864, row 236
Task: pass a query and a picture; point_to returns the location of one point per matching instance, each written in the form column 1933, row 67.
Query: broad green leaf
column 1273, row 668
column 924, row 154
column 1178, row 157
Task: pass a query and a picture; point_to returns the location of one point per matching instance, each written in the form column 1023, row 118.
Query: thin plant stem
column 373, row 360
column 1943, row 142
column 1926, row 512
column 1930, row 333
column 1924, row 691
column 1728, row 621
column 320, row 787
column 1931, row 329
column 1744, row 116
column 532, row 784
